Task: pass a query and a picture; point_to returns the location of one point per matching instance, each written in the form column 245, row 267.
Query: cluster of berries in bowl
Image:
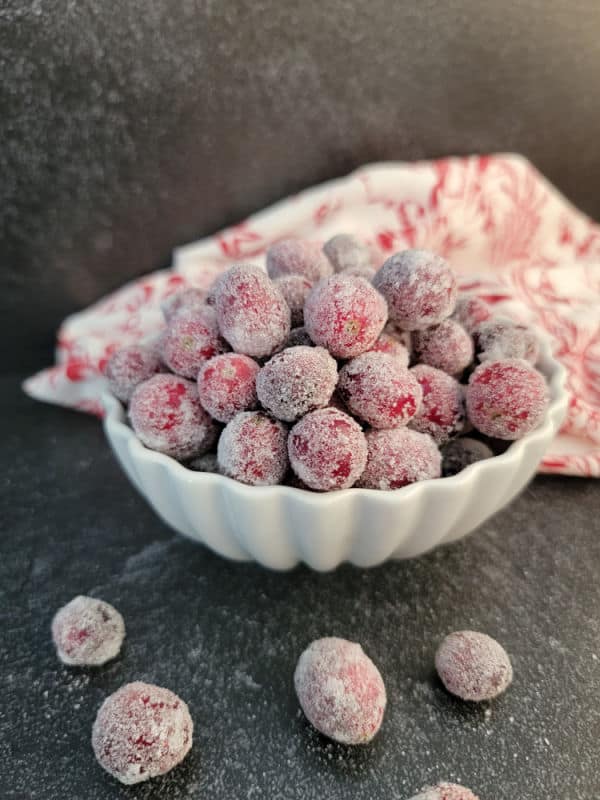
column 322, row 373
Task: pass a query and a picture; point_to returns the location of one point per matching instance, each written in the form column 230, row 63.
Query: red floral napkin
column 510, row 235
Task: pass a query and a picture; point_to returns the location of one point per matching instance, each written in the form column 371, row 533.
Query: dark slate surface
column 129, row 131
column 226, row 636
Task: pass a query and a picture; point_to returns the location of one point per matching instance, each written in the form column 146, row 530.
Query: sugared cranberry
column 390, row 345
column 296, row 381
column 473, row 666
column 346, row 252
column 327, row 450
column 445, row 791
column 227, row 385
column 130, row 366
column 166, row 415
column 190, row 299
column 446, row 346
column 442, row 412
column 297, row 257
column 251, row 311
column 470, row 311
column 340, row 690
column 420, row 288
column 506, row 399
column 500, row 338
column 252, row 449
column 344, row 314
column 461, row 453
column 87, row 632
column 398, row 457
column 379, row 390
column 141, row 731
column 190, row 340
column 294, row 288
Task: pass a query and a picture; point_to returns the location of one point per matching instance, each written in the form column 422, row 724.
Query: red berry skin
column 442, row 411
column 252, row 313
column 166, row 416
column 470, row 311
column 191, row 339
column 297, row 257
column 419, row 287
column 252, row 449
column 473, row 666
column 446, row 346
column 130, row 366
column 227, row 385
column 398, row 457
column 340, row 690
column 344, row 314
column 295, row 289
column 141, row 731
column 506, row 399
column 378, row 389
column 327, row 450
column 386, row 343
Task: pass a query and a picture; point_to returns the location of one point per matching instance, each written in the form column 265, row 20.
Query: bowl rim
column 553, row 371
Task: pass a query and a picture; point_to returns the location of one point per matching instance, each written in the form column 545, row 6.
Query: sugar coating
column 404, row 337
column 166, row 415
column 446, row 791
column 299, row 336
column 506, row 399
column 398, row 457
column 461, row 453
column 191, row 299
column 87, row 632
column 141, row 731
column 344, row 314
column 227, row 385
column 340, row 690
column 295, row 381
column 420, row 288
column 327, row 449
column 473, row 666
column 386, row 343
column 501, row 338
column 252, row 313
column 381, row 391
column 470, row 311
column 252, row 449
column 206, row 463
column 130, row 366
column 446, row 346
column 191, row 338
column 346, row 252
column 442, row 412
column 368, row 273
column 294, row 288
column 297, row 257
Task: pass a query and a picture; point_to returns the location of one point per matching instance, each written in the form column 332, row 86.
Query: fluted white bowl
column 279, row 526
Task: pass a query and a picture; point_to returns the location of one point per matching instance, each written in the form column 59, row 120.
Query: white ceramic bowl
column 279, row 526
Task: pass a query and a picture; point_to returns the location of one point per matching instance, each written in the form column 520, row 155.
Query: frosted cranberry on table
column 252, row 313
column 445, row 791
column 442, row 410
column 299, row 336
column 252, row 449
column 294, row 288
column 502, row 338
column 297, row 257
column 386, row 343
column 344, row 314
column 420, row 288
column 461, row 453
column 446, row 346
column 166, row 415
column 346, row 252
column 87, row 632
column 473, row 666
column 130, row 366
column 378, row 389
column 295, row 381
column 398, row 457
column 327, row 449
column 340, row 690
column 506, row 399
column 470, row 311
column 141, row 731
column 227, row 385
column 190, row 340
column 190, row 299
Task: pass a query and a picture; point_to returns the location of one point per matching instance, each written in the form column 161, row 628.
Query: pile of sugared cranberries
column 322, row 366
